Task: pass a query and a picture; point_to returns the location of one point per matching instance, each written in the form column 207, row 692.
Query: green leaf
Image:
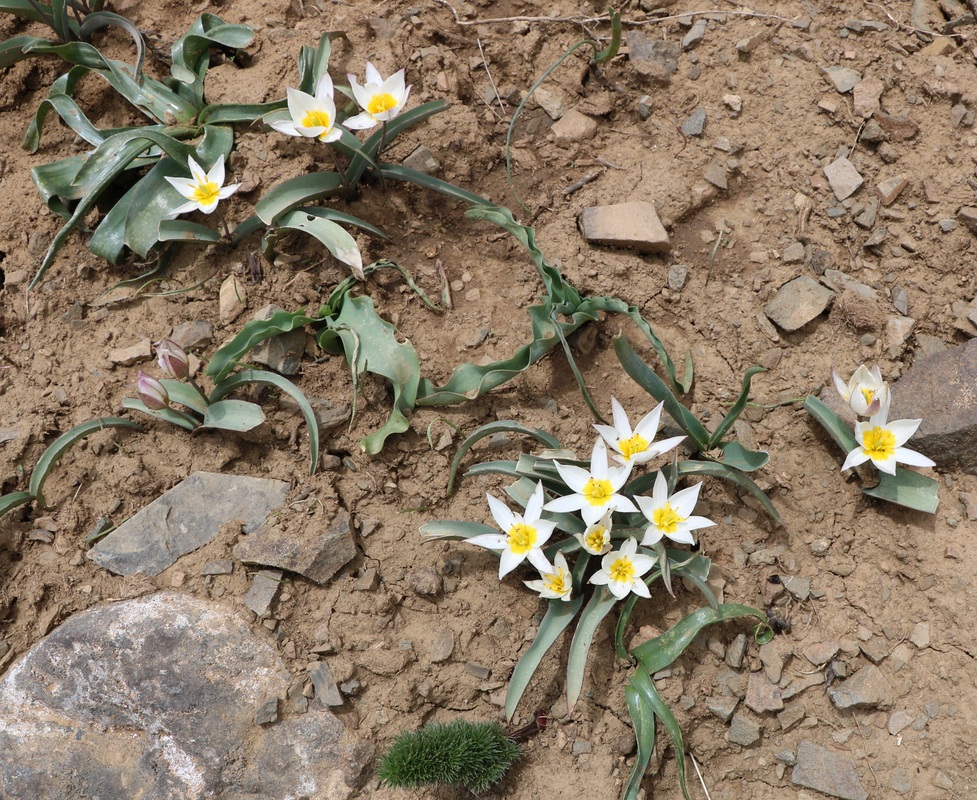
column 641, row 681
column 662, row 651
column 735, row 410
column 646, row 378
column 718, row 470
column 295, row 192
column 9, row 502
column 742, row 458
column 395, row 127
column 191, row 53
column 185, row 394
column 233, row 415
column 26, row 10
column 491, row 429
column 334, row 238
column 832, row 423
column 60, row 100
column 63, row 443
column 454, row 529
column 17, row 48
column 282, row 383
column 347, row 219
column 558, row 616
column 371, row 346
column 408, row 175
column 55, row 183
column 600, row 605
column 170, row 415
column 181, row 230
column 643, row 720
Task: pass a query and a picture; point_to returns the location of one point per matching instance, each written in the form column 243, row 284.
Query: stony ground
column 814, row 168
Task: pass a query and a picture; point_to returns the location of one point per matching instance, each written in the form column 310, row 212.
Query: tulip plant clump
column 597, row 543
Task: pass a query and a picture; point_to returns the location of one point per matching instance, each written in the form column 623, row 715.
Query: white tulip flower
column 313, row 117
column 523, row 536
column 596, row 540
column 596, row 491
column 671, row 516
column 865, row 391
column 204, row 190
column 636, row 445
column 555, row 583
column 381, row 100
column 882, row 443
column 621, row 571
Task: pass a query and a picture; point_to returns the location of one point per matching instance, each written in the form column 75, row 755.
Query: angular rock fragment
column 797, row 303
column 843, row 178
column 867, row 688
column 653, row 59
column 633, row 225
column 844, row 79
column 828, row 772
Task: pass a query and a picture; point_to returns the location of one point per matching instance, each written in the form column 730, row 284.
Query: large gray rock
column 828, row 772
column 155, row 699
column 186, row 517
column 798, row 302
column 634, row 225
column 939, row 390
column 867, row 688
column 653, row 59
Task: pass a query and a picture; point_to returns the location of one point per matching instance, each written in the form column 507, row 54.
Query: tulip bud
column 152, row 392
column 172, row 359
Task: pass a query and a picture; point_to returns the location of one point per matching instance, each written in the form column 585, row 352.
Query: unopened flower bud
column 152, row 392
column 172, row 359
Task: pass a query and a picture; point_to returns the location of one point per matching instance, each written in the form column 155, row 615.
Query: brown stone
column 633, row 225
column 899, row 128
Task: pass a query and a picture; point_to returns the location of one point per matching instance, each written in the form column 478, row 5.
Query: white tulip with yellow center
column 313, row 117
column 865, row 391
column 596, row 491
column 381, row 100
column 671, row 516
column 523, row 537
column 621, row 571
column 596, row 540
column 555, row 583
column 638, row 445
column 882, row 443
column 203, row 190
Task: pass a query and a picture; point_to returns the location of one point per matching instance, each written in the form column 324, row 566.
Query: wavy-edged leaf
column 491, row 429
column 289, row 195
column 646, row 378
column 736, row 409
column 742, row 458
column 454, row 529
column 600, row 605
column 181, row 230
column 170, row 415
column 643, row 721
column 60, row 100
column 641, row 681
column 371, row 345
column 658, row 653
column 558, row 616
column 332, row 236
column 283, row 384
column 233, row 415
column 63, row 443
column 25, row 10
column 55, row 183
column 17, row 48
column 395, row 127
column 12, row 500
column 401, row 173
column 191, row 53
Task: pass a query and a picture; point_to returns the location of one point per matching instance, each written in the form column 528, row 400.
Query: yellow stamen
column 598, row 492
column 622, row 570
column 869, row 395
column 631, row 447
column 522, row 538
column 595, row 539
column 316, row 119
column 380, row 103
column 667, row 519
column 205, row 192
column 556, row 582
column 879, row 443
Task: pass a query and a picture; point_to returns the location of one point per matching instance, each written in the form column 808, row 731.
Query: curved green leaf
column 558, row 616
column 600, row 605
column 185, row 394
column 181, row 230
column 9, row 502
column 17, row 48
column 742, row 458
column 736, row 409
column 170, row 415
column 641, row 681
column 643, row 720
column 347, row 219
column 63, row 443
column 282, row 383
column 502, row 426
column 396, row 126
column 743, row 481
column 426, row 181
column 333, row 237
column 454, row 529
column 233, row 415
column 295, row 192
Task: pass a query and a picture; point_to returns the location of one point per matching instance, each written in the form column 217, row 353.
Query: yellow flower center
column 556, row 582
column 380, row 103
column 622, row 570
column 667, row 519
column 316, row 119
column 522, row 538
column 869, row 395
column 598, row 492
column 631, row 447
column 595, row 539
column 205, row 192
column 879, row 443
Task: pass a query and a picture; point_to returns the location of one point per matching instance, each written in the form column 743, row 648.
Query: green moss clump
column 464, row 754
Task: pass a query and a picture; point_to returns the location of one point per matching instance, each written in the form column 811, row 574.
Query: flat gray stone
column 653, row 59
column 716, row 175
column 968, row 216
column 633, row 225
column 798, row 302
column 316, row 554
column 326, row 690
column 422, row 160
column 843, row 178
column 939, row 389
column 695, row 123
column 264, row 589
column 184, row 518
column 736, row 651
column 695, row 34
column 820, row 653
column 799, row 588
column 828, row 772
column 844, row 79
column 867, row 688
column 762, row 695
column 722, row 706
column 282, row 353
column 194, row 334
column 678, row 274
column 156, row 698
column 743, row 730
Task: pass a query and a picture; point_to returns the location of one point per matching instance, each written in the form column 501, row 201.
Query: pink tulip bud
column 152, row 392
column 172, row 359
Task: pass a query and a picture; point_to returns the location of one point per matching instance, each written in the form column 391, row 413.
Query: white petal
column 396, row 85
column 501, row 513
column 539, row 560
column 860, row 428
column 216, row 173
column 599, row 579
column 185, row 186
column 887, row 465
column 659, row 492
column 574, row 477
column 662, row 447
column 492, row 541
column 196, row 171
column 571, row 502
column 324, row 88
column 299, row 104
column 535, row 504
column 648, row 426
column 684, row 501
column 618, row 476
column 855, row 457
column 652, row 536
column 646, row 504
column 560, row 562
column 284, row 126
column 903, row 429
column 609, row 435
column 906, row 456
column 591, row 514
column 373, row 75
column 360, row 122
column 332, row 136
column 640, row 588
column 537, row 586
column 681, row 536
column 360, row 93
column 630, row 547
column 227, row 191
column 619, row 589
column 544, row 530
column 622, row 503
column 621, row 422
column 598, row 460
column 840, row 385
column 508, row 562
column 186, row 208
column 643, row 563
column 695, row 523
